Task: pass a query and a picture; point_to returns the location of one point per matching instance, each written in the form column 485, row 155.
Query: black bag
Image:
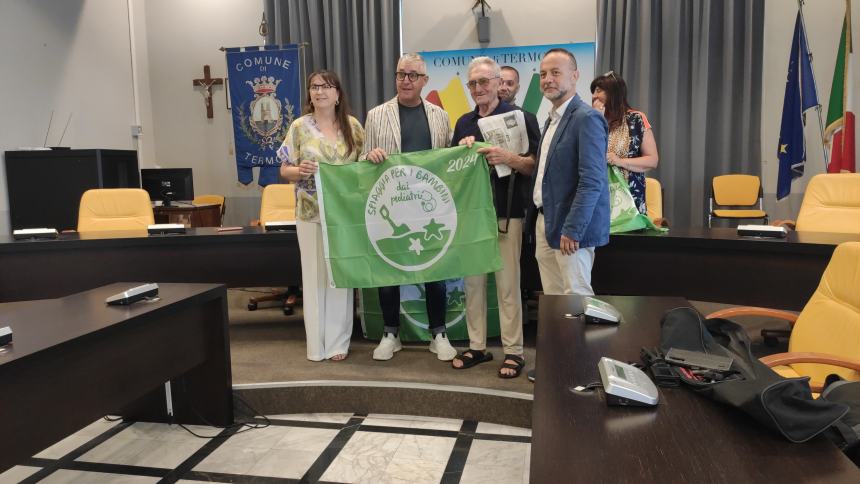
column 782, row 404
column 846, row 432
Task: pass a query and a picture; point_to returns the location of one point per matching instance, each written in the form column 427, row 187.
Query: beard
column 558, row 94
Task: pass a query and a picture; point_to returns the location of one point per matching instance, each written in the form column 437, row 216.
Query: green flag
column 417, row 217
column 624, row 216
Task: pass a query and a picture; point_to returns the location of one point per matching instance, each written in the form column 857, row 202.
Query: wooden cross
column 206, row 83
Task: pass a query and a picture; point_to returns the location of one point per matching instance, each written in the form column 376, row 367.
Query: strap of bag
column 850, row 435
column 511, row 184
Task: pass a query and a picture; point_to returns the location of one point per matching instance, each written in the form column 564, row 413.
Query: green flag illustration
column 624, row 217
column 417, row 217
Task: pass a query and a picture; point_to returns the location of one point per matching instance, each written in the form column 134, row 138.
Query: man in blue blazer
column 571, row 190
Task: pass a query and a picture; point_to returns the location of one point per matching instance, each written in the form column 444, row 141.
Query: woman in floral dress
column 325, row 134
column 632, row 146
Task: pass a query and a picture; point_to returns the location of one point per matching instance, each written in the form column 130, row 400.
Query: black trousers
column 434, row 296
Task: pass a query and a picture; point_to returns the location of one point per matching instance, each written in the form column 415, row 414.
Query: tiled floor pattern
column 295, row 448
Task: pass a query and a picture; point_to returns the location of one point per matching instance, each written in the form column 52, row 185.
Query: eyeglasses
column 483, row 82
column 413, row 76
column 320, row 87
column 611, row 74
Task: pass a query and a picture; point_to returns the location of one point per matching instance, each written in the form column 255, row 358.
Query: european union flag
column 800, row 95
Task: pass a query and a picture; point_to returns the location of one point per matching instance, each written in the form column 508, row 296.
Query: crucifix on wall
column 206, row 83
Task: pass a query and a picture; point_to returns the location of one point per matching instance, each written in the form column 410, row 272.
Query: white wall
column 823, row 27
column 181, row 36
column 71, row 57
column 450, row 24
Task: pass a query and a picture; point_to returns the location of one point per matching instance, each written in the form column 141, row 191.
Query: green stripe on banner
column 417, row 217
column 836, row 103
column 413, row 312
column 533, row 95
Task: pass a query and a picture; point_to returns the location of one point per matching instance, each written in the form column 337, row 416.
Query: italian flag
column 840, row 110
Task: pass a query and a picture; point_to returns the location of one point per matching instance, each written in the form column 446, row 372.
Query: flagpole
column 815, row 86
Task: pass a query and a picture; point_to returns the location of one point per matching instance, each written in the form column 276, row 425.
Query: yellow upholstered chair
column 211, row 200
column 114, row 209
column 654, row 201
column 740, row 192
column 278, row 205
column 831, row 203
column 825, row 337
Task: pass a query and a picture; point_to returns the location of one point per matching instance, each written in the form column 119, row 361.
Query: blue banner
column 265, row 94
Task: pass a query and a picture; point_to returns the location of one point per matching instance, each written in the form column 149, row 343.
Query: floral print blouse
column 305, row 141
column 626, row 142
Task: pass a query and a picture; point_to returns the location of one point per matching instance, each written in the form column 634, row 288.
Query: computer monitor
column 168, row 184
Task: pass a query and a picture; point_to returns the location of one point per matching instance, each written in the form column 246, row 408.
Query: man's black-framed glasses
column 412, row 76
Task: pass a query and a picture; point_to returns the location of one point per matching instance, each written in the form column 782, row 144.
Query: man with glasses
column 404, row 124
column 509, row 198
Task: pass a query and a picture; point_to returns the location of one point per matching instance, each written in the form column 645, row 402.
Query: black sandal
column 517, row 367
column 470, row 358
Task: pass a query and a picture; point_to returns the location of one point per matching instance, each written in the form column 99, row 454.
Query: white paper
column 508, row 131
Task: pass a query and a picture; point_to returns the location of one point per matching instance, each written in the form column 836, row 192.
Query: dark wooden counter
column 75, row 359
column 36, row 269
column 716, row 265
column 686, row 438
column 188, row 215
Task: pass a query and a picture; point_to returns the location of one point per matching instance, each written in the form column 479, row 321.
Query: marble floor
column 287, row 449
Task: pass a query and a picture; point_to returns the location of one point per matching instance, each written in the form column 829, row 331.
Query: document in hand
column 508, row 131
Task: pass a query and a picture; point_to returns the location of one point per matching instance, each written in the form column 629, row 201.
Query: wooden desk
column 76, row 262
column 716, row 265
column 686, row 438
column 188, row 215
column 75, row 359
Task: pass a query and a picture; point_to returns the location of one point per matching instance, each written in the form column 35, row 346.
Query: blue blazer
column 575, row 186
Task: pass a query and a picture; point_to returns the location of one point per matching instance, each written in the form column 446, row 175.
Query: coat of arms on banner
column 263, row 122
column 265, row 93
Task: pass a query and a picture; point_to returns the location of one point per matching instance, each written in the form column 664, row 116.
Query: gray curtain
column 695, row 69
column 357, row 39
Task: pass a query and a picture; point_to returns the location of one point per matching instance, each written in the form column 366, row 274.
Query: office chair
column 831, row 203
column 212, row 200
column 104, row 209
column 278, row 204
column 654, row 201
column 825, row 336
column 739, row 192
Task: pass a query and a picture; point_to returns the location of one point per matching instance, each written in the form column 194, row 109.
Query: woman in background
column 632, row 146
column 325, row 134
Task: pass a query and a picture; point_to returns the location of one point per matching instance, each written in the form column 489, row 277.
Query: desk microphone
column 5, row 336
column 133, row 295
column 45, row 233
column 165, row 229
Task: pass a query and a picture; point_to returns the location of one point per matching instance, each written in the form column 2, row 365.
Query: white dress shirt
column 548, row 135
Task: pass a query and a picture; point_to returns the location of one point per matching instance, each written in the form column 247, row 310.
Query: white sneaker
column 389, row 345
column 442, row 347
